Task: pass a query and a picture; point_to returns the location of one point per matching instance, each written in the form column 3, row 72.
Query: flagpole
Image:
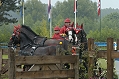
column 100, row 20
column 51, row 23
column 50, row 16
column 99, row 15
column 75, row 10
column 75, row 19
column 23, row 11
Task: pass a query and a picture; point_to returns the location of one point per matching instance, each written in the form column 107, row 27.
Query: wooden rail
column 4, row 61
column 44, row 61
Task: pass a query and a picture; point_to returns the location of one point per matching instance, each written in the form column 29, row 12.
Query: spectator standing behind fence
column 57, row 33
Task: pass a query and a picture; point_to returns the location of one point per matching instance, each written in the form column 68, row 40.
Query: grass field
column 5, row 56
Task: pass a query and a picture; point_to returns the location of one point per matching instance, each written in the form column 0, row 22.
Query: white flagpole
column 49, row 16
column 75, row 10
column 23, row 10
column 51, row 23
column 75, row 19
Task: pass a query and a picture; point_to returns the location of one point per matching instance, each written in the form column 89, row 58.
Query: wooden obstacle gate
column 110, row 54
column 47, row 62
column 4, row 61
column 58, row 72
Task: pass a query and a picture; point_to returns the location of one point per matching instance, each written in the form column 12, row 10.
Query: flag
column 75, row 6
column 49, row 10
column 98, row 7
column 21, row 8
column 21, row 11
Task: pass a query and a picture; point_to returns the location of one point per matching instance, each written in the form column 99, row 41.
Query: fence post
column 117, row 44
column 90, row 63
column 0, row 59
column 0, row 62
column 11, row 70
column 110, row 62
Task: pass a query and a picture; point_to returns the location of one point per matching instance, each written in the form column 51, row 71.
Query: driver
column 65, row 28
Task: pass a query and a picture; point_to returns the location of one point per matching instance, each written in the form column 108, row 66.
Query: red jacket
column 63, row 29
column 57, row 36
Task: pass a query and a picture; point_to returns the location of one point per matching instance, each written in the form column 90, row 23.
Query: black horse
column 71, row 35
column 27, row 47
column 27, row 38
column 78, row 37
column 33, row 44
column 82, row 43
column 43, row 41
column 81, row 37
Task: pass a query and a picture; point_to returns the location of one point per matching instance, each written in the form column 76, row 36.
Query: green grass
column 102, row 63
column 102, row 48
column 5, row 56
column 4, row 76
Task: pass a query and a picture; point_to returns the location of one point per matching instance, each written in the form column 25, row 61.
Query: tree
column 40, row 27
column 28, row 20
column 105, row 33
column 5, row 7
column 36, row 10
column 5, row 33
column 111, row 20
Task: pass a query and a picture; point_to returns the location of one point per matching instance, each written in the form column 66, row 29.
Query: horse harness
column 33, row 46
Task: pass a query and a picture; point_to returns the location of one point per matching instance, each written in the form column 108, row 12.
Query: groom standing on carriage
column 57, row 33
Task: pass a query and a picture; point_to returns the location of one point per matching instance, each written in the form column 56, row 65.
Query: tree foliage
column 36, row 17
column 111, row 20
column 5, row 7
column 42, row 31
column 104, row 34
column 35, row 10
column 5, row 33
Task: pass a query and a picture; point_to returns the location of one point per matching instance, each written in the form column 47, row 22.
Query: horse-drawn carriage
column 32, row 44
column 28, row 39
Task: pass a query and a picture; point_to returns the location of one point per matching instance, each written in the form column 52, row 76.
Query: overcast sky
column 104, row 3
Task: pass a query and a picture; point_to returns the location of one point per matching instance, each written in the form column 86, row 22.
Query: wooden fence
column 4, row 61
column 110, row 54
column 51, row 66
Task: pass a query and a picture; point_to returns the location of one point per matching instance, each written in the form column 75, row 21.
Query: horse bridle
column 70, row 36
